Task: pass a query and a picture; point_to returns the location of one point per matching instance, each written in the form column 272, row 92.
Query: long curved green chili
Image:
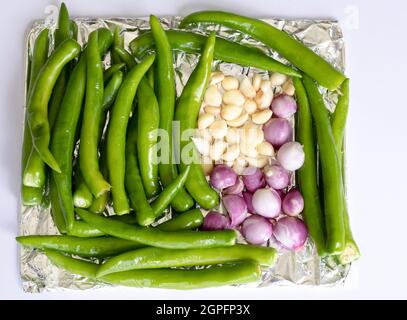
column 225, row 50
column 156, row 258
column 63, row 137
column 112, row 70
column 88, row 150
column 294, row 51
column 133, row 181
column 186, row 113
column 116, row 134
column 33, row 195
column 39, row 97
column 82, row 197
column 158, row 238
column 118, row 41
column 338, row 121
column 147, row 128
column 164, row 86
column 85, row 247
column 331, row 170
column 307, row 175
column 57, row 213
column 228, row 274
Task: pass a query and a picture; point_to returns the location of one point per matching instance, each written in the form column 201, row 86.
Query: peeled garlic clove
column 232, row 136
column 218, row 129
column 257, row 162
column 266, row 149
column 240, row 165
column 230, row 112
column 288, row 88
column 230, row 83
column 233, row 97
column 261, row 117
column 246, row 88
column 217, row 149
column 207, row 165
column 239, row 121
column 250, row 106
column 256, row 82
column 265, row 86
column 216, row 77
column 212, row 110
column 212, row 96
column 264, row 99
column 205, row 120
column 231, row 153
column 251, row 134
column 248, row 150
column 202, row 145
column 277, row 79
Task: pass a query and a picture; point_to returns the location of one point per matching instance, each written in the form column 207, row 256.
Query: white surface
column 377, row 135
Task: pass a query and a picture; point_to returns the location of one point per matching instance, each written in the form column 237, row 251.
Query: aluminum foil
column 292, row 268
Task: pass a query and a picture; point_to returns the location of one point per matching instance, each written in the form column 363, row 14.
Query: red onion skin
column 281, row 194
column 291, row 232
column 267, row 203
column 236, row 208
column 280, row 177
column 257, row 230
column 222, row 177
column 247, row 196
column 215, row 221
column 278, row 131
column 284, row 106
column 253, row 181
column 237, row 188
column 293, row 203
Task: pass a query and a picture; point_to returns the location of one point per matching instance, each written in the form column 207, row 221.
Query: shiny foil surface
column 292, row 268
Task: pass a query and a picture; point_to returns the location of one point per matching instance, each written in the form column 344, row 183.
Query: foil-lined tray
column 292, row 268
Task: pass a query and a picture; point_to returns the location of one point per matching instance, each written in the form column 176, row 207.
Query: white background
column 377, row 138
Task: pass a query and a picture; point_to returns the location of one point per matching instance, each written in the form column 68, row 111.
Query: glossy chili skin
column 164, row 86
column 189, row 220
column 158, row 238
column 112, row 70
column 147, row 128
column 58, row 215
column 92, row 114
column 330, row 168
column 33, row 195
column 63, row 137
column 111, row 89
column 39, row 97
column 186, row 113
column 82, row 197
column 116, row 133
column 153, row 258
column 85, row 247
column 225, row 50
column 133, row 181
column 338, row 121
column 307, row 175
column 294, row 51
column 118, row 41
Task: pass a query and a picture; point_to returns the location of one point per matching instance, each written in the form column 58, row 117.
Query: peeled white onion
column 291, row 156
column 291, row 232
column 267, row 203
column 257, row 229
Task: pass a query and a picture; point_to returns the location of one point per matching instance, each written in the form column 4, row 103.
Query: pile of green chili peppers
column 112, row 114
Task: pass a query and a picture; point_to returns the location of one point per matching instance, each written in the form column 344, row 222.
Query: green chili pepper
column 294, row 51
column 158, row 238
column 188, row 220
column 88, row 150
column 33, row 195
column 186, row 113
column 169, row 192
column 148, row 122
column 116, row 133
column 57, row 213
column 112, row 70
column 307, row 175
column 118, row 41
column 110, row 92
column 156, row 258
column 125, row 57
column 105, row 40
column 338, row 121
column 39, row 97
column 225, row 50
column 133, row 181
column 85, row 247
column 164, row 86
column 331, row 170
column 228, row 274
column 63, row 137
column 150, row 76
